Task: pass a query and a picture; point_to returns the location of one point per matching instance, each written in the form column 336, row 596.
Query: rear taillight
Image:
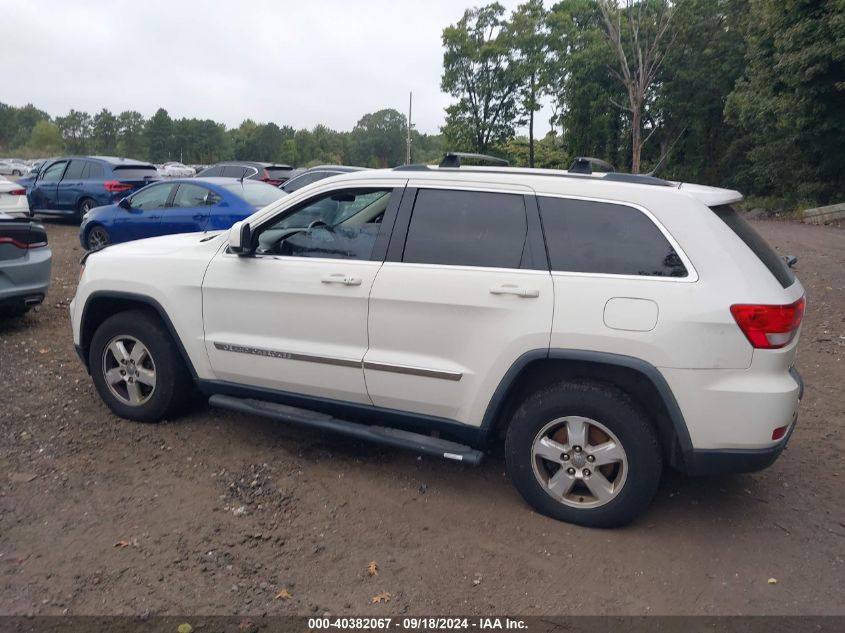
column 17, row 192
column 23, row 245
column 112, row 186
column 767, row 326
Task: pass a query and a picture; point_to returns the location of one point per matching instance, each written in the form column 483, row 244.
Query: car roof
column 212, row 180
column 115, row 161
column 252, row 163
column 338, row 168
column 611, row 185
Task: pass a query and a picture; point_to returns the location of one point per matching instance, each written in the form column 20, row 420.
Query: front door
column 293, row 317
column 43, row 194
column 143, row 217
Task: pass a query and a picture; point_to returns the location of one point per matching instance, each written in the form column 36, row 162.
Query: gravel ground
column 220, row 513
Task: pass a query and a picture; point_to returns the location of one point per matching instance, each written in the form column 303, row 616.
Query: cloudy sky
column 293, row 62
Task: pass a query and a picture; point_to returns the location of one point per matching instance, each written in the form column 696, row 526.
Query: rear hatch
column 129, row 178
column 276, row 174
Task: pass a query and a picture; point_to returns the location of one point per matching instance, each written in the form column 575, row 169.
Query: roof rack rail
column 584, row 165
column 453, row 159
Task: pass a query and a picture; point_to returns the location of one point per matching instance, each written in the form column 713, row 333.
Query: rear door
column 189, row 211
column 43, row 194
column 70, row 187
column 464, row 292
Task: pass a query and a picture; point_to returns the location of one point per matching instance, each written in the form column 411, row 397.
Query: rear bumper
column 26, row 280
column 733, row 460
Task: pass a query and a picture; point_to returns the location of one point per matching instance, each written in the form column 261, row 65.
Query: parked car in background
column 270, row 173
column 10, row 168
column 25, row 262
column 175, row 206
column 176, row 170
column 13, row 201
column 313, row 174
column 73, row 185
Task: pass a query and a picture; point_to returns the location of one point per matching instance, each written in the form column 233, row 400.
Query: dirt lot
column 217, row 513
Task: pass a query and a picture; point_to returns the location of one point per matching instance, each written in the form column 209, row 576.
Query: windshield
column 258, row 194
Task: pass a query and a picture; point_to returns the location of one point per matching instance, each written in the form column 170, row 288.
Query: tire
column 16, row 173
column 625, row 485
column 97, row 238
column 162, row 365
column 85, row 205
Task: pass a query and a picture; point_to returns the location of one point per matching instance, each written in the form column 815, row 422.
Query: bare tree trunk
column 636, row 138
column 531, row 126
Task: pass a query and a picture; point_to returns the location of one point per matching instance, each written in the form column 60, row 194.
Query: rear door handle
column 519, row 291
column 340, row 278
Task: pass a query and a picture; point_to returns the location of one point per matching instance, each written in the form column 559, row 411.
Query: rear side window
column 74, row 170
column 613, row 239
column 744, row 231
column 94, row 172
column 279, row 173
column 467, row 228
column 135, row 173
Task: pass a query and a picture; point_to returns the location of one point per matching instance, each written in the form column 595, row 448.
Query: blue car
column 175, row 206
column 73, row 185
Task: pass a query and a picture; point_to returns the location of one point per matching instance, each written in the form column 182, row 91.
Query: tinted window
column 74, row 170
column 212, row 172
column 236, row 171
column 467, row 228
column 53, row 173
column 752, row 239
column 154, row 197
column 279, row 173
column 597, row 237
column 95, row 172
column 258, row 194
column 194, row 196
column 135, row 173
column 295, row 184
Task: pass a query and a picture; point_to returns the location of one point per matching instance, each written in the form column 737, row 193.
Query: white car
column 13, row 168
column 176, row 170
column 13, row 200
column 604, row 324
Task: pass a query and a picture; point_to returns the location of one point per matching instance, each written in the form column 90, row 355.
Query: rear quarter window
column 765, row 253
column 598, row 237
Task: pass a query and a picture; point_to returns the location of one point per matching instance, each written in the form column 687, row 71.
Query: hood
column 162, row 245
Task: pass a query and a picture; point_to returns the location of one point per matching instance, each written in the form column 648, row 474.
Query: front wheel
column 584, row 453
column 136, row 368
column 98, row 237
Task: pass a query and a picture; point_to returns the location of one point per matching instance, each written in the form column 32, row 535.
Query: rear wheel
column 16, row 172
column 97, row 238
column 136, row 369
column 584, row 453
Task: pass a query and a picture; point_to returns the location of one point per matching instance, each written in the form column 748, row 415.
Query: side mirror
column 240, row 239
column 124, row 204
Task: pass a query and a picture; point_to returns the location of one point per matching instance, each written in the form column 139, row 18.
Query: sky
column 294, row 63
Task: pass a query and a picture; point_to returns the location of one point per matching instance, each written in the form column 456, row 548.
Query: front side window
column 337, row 225
column 598, row 237
column 53, row 172
column 467, row 228
column 154, row 197
column 194, row 196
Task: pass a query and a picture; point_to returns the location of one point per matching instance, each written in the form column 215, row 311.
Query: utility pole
column 408, row 137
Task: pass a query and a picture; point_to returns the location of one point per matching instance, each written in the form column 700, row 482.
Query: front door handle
column 340, row 278
column 519, row 291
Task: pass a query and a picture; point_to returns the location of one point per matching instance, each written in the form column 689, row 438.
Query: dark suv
column 270, row 173
column 73, row 185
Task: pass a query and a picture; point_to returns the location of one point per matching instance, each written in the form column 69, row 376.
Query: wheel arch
column 639, row 379
column 101, row 305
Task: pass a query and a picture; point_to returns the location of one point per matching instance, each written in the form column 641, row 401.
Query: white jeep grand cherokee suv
column 604, row 324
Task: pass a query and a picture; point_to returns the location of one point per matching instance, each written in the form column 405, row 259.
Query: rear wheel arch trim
column 649, row 371
column 142, row 301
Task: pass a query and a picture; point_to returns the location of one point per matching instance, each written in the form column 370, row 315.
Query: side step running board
column 382, row 435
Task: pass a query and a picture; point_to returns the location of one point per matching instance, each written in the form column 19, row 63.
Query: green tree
column 479, row 71
column 790, row 103
column 131, row 141
column 45, row 139
column 76, row 130
column 159, row 136
column 105, row 132
column 528, row 33
column 378, row 139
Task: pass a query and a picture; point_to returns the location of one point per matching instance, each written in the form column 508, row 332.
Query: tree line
column 742, row 93
column 377, row 140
